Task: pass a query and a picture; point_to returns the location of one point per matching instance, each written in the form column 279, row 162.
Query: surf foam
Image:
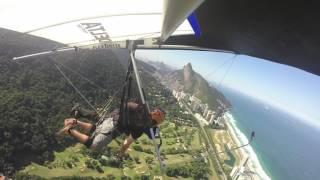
column 248, row 149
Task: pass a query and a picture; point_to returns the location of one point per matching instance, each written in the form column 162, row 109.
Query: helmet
column 158, row 115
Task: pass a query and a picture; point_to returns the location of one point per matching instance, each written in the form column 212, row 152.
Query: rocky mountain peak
column 187, row 72
column 191, row 82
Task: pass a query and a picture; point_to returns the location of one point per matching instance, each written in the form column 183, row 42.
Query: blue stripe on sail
column 194, row 24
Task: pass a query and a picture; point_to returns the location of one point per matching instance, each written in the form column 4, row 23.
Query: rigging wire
column 107, row 105
column 77, row 73
column 109, row 100
column 75, row 88
column 220, row 66
column 219, row 84
column 226, row 73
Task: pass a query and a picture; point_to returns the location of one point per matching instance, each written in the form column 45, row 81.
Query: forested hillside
column 35, row 98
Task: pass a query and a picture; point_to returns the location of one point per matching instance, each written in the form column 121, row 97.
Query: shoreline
column 253, row 164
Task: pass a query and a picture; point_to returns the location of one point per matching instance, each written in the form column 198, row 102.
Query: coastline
column 253, row 165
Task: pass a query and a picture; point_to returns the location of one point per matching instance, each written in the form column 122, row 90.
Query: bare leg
column 79, row 136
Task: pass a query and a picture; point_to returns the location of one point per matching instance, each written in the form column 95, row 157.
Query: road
column 215, row 159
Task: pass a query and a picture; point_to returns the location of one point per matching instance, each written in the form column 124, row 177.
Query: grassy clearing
column 77, row 168
column 76, row 171
column 61, row 165
column 178, row 159
column 196, row 143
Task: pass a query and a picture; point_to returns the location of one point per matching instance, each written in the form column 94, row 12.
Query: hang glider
column 94, row 22
column 280, row 31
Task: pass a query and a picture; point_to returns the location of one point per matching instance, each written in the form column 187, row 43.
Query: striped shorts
column 103, row 134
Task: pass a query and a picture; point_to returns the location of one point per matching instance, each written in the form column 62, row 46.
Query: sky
column 291, row 89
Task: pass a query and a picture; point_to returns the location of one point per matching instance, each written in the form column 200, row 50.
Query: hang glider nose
column 174, row 13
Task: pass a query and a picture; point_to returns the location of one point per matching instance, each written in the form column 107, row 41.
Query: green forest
column 35, row 98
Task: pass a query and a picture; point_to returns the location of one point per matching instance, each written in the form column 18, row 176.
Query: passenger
column 98, row 135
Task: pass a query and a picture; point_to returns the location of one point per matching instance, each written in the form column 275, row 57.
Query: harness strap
column 124, row 116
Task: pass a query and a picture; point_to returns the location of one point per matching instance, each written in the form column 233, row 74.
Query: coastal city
column 225, row 137
column 207, row 116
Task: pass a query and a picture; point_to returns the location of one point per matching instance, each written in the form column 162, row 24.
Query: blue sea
column 286, row 147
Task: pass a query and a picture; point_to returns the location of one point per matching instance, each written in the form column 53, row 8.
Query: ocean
column 285, row 146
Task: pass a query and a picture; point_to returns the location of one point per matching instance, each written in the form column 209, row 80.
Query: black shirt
column 138, row 124
column 136, row 133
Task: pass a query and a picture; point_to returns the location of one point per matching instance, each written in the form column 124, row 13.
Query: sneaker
column 75, row 111
column 79, row 112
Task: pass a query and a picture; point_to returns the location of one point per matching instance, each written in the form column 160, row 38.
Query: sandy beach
column 250, row 167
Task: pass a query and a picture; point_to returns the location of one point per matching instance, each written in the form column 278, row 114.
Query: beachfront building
column 180, row 95
column 194, row 101
column 206, row 109
column 176, row 94
column 221, row 104
column 195, row 104
column 203, row 107
column 209, row 115
column 211, row 121
column 219, row 122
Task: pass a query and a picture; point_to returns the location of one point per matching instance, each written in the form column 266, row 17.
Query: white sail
column 83, row 22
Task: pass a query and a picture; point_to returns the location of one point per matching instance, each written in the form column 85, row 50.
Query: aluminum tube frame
column 157, row 150
column 144, row 102
column 138, row 79
column 44, row 53
column 101, row 45
column 182, row 47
